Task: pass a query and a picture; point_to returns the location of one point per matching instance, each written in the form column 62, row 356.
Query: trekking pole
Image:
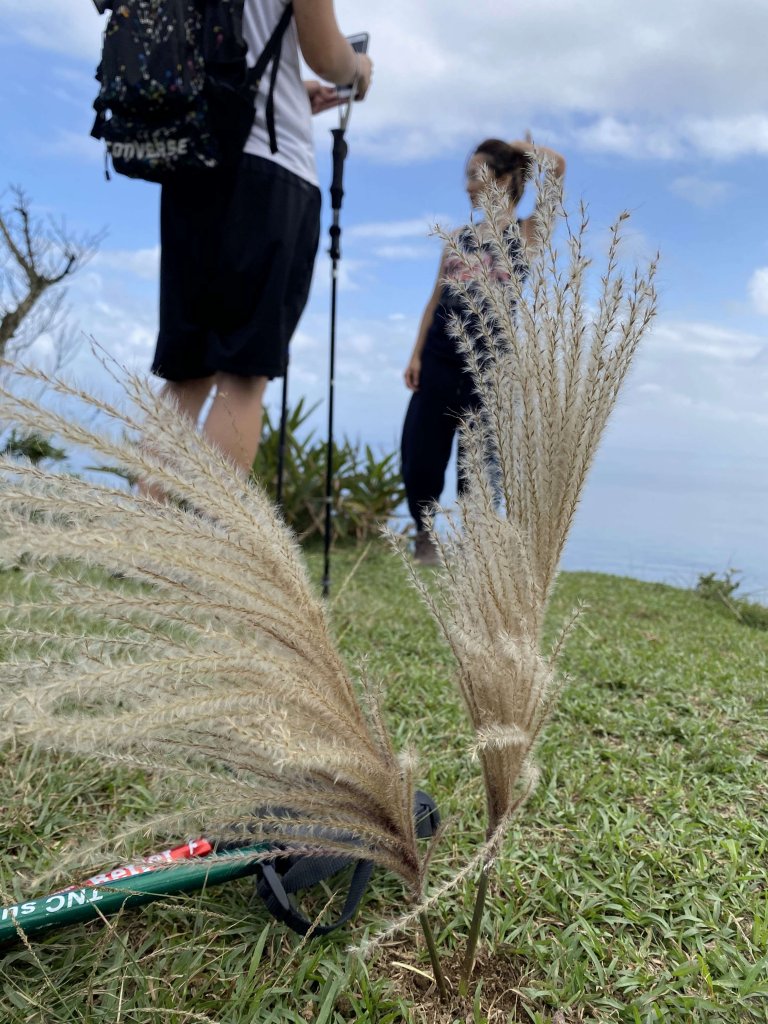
column 337, row 194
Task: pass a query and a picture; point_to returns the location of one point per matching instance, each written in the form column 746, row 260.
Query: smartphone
column 359, row 44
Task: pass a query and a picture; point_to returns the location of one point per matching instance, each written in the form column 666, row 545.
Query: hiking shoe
column 425, row 549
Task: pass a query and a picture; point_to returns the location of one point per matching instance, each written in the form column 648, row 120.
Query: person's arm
column 413, row 369
column 556, row 161
column 326, row 50
column 322, row 97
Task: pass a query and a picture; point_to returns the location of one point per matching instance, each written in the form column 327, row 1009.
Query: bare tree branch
column 11, row 244
column 37, row 256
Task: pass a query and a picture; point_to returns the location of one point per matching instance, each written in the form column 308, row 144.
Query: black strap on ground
column 275, row 890
column 282, row 879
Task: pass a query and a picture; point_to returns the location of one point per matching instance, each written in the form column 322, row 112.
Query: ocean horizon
column 670, row 517
column 665, row 517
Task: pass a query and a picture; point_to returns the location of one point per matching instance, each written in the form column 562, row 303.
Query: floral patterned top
column 439, row 341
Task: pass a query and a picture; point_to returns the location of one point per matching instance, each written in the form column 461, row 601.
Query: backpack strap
column 303, row 873
column 271, row 52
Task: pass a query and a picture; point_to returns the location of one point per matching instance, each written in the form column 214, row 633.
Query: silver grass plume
column 210, row 662
column 548, row 363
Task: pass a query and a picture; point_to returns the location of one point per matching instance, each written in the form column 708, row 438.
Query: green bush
column 32, row 446
column 366, row 489
column 721, row 589
column 718, row 588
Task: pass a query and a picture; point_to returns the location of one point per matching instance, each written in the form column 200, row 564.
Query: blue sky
column 659, row 108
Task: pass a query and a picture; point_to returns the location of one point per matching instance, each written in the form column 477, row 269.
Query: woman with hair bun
column 437, row 374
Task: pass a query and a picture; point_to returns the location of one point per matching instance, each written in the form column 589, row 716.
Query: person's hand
column 364, row 75
column 540, row 155
column 525, row 145
column 413, row 373
column 321, row 97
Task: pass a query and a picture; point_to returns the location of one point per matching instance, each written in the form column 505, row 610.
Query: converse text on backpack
column 152, row 149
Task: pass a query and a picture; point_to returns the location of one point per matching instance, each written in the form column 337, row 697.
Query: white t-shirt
column 293, row 114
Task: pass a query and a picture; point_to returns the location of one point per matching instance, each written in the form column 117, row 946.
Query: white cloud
column 303, row 342
column 115, row 310
column 142, row 263
column 689, row 372
column 699, row 191
column 416, row 227
column 400, row 253
column 361, row 343
column 397, row 235
column 717, row 343
column 653, row 137
column 622, row 137
column 654, row 80
column 66, row 143
column 58, row 26
column 350, row 273
column 41, row 352
column 758, row 290
column 730, row 136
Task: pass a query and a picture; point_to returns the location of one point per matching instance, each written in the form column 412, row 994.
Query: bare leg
column 233, row 422
column 190, row 396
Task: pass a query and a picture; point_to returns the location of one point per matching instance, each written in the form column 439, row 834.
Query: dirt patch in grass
column 496, row 989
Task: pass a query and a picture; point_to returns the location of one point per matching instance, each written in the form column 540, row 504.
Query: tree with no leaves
column 36, row 258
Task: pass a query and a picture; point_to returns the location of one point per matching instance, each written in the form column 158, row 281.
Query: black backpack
column 280, row 880
column 176, row 94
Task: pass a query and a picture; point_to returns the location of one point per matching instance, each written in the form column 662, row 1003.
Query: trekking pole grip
column 339, row 155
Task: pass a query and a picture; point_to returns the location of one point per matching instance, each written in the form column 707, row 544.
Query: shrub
column 366, row 489
column 33, row 446
column 721, row 589
column 718, row 588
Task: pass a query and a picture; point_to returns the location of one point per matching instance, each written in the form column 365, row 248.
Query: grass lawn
column 633, row 888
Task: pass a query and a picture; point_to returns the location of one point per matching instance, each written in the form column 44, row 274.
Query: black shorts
column 237, row 251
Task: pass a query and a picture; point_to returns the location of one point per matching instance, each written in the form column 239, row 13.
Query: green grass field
column 633, row 888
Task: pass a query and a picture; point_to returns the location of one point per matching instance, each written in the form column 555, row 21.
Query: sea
column 672, row 518
column 665, row 516
column 669, row 517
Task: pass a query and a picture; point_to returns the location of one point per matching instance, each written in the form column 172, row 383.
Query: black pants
column 446, row 393
column 237, row 251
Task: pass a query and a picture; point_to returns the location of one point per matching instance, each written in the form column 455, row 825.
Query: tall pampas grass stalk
column 548, row 361
column 211, row 661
